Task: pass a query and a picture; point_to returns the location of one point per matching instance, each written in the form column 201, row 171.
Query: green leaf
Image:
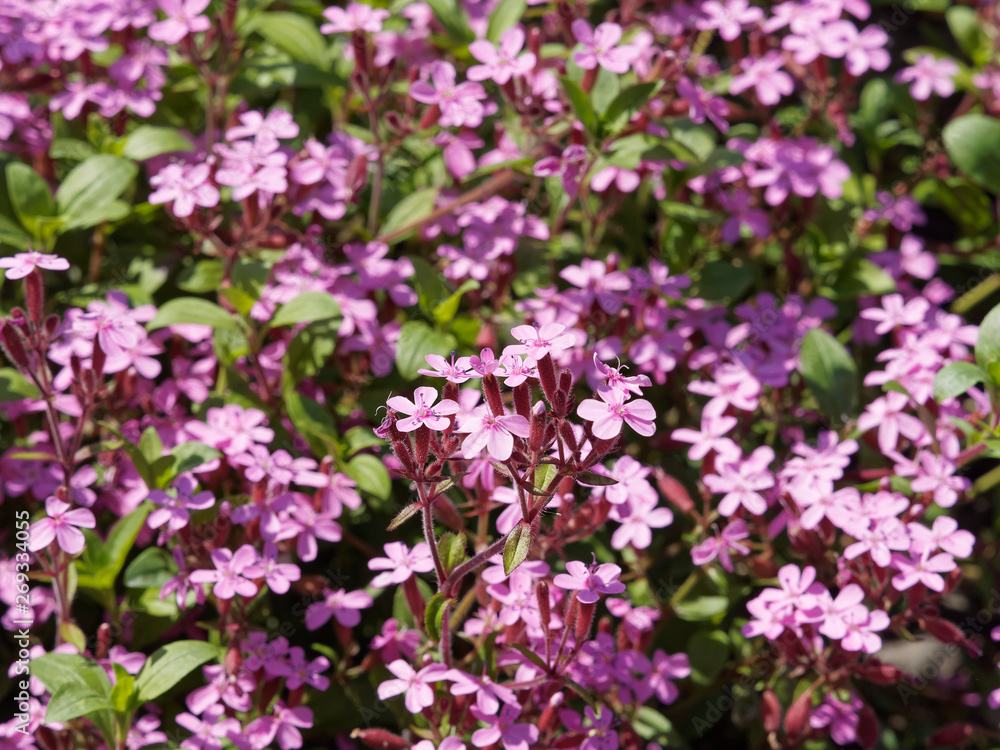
column 150, row 445
column 973, row 144
column 360, row 437
column 707, row 652
column 191, row 455
column 147, row 141
column 434, row 615
column 988, row 343
column 306, row 308
column 100, row 566
column 606, row 87
column 192, row 310
column 698, row 140
column 544, row 474
column 515, row 551
column 968, row 31
column 624, row 106
column 151, row 569
column 410, row 210
column 14, row 386
column 29, row 193
column 592, row 479
column 171, row 664
column 506, row 16
column 403, row 516
column 722, row 280
column 370, row 474
column 702, row 608
column 956, row 379
column 860, row 277
column 123, row 690
column 581, row 104
column 452, row 17
column 529, row 655
column 444, row 312
column 830, row 373
column 91, row 186
column 310, row 418
column 451, row 549
column 71, row 703
column 294, row 34
column 201, row 277
column 417, row 339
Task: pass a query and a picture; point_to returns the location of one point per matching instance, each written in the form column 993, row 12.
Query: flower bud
column 522, row 400
column 380, row 739
column 547, row 376
column 34, row 296
column 797, row 718
column 549, row 720
column 770, row 711
column 952, row 735
column 584, row 621
column 421, row 444
column 103, row 640
column 14, row 347
column 491, row 388
column 536, row 438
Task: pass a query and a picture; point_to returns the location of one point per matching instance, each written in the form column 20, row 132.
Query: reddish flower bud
column 522, row 400
column 547, row 376
column 948, row 632
column 103, row 640
column 380, row 739
column 491, row 387
column 234, row 660
column 674, row 491
column 14, row 347
column 421, row 444
column 797, row 718
column 584, row 621
column 867, row 727
column 952, row 735
column 770, row 711
column 549, row 720
column 34, row 296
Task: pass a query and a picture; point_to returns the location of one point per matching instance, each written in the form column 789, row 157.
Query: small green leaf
column 581, row 104
column 434, row 614
column 192, row 310
column 516, row 549
column 417, row 339
column 702, row 608
column 306, row 308
column 57, row 671
column 530, row 656
column 956, row 379
column 70, row 702
column 91, row 186
column 294, row 34
column 123, row 690
column 544, row 474
column 403, row 516
column 361, row 437
column 370, row 474
column 14, row 386
column 201, row 277
column 988, row 343
column 451, row 549
column 152, row 568
column 593, row 479
column 147, row 141
column 973, row 144
column 630, row 101
column 409, row 211
column 192, row 454
column 29, row 193
column 150, row 445
column 171, row 664
column 445, row 311
column 707, row 652
column 506, row 16
column 452, row 17
column 830, row 373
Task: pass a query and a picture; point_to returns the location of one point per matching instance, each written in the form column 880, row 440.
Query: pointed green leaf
column 516, row 549
column 171, row 664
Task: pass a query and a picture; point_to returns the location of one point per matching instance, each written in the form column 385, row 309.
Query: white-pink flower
column 400, row 563
column 590, row 584
column 496, row 434
column 21, row 264
column 357, row 17
column 930, row 75
column 537, row 342
column 416, row 685
column 609, row 416
column 501, row 62
column 599, row 47
column 742, row 482
column 422, row 410
column 63, row 525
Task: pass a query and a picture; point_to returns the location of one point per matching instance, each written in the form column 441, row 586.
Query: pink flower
column 62, row 525
column 175, row 512
column 666, row 668
column 895, row 313
column 703, row 104
column 459, row 103
column 609, row 416
column 456, row 371
column 569, row 166
column 278, row 576
column 400, row 563
column 341, row 604
column 357, row 17
column 930, row 75
column 887, row 414
column 713, row 427
column 590, row 585
column 266, row 129
column 496, row 434
column 842, row 718
column 183, row 18
column 502, row 728
column 536, row 342
column 729, row 18
column 501, row 63
column 722, row 544
column 416, row 685
column 833, row 625
column 228, row 574
column 185, row 186
column 20, row 265
column 599, row 47
column 422, row 411
column 637, row 518
column 861, row 628
column 742, row 480
column 770, row 82
column 944, row 534
column 863, row 51
column 937, row 475
column 922, row 569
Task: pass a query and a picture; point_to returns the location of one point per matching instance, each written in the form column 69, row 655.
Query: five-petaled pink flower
column 63, row 525
column 537, row 342
column 228, row 574
column 400, row 563
column 590, row 584
column 183, row 18
column 21, row 264
column 599, row 47
column 416, row 685
column 422, row 411
column 496, row 434
column 609, row 416
column 502, row 62
column 930, row 75
column 357, row 17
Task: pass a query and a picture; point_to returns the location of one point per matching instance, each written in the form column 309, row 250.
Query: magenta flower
column 930, row 75
column 278, row 576
column 175, row 512
column 228, row 574
column 183, row 18
column 308, row 526
column 234, row 690
column 422, row 411
column 62, row 525
column 722, row 544
column 769, row 81
column 714, row 425
column 894, row 312
column 862, row 627
column 842, row 718
column 341, row 604
column 833, row 623
column 501, row 63
column 297, row 671
column 637, row 518
column 742, row 480
column 923, row 569
column 595, row 282
column 209, row 731
column 400, row 563
column 536, row 342
column 666, row 668
column 609, row 416
column 590, row 584
column 887, row 413
column 416, row 685
column 599, row 47
column 277, row 124
column 937, row 475
column 944, row 534
column 496, row 434
column 459, row 103
column 20, row 265
column 456, row 371
column 729, row 18
column 703, row 104
column 488, row 694
column 184, row 186
column 357, row 17
column 502, row 728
